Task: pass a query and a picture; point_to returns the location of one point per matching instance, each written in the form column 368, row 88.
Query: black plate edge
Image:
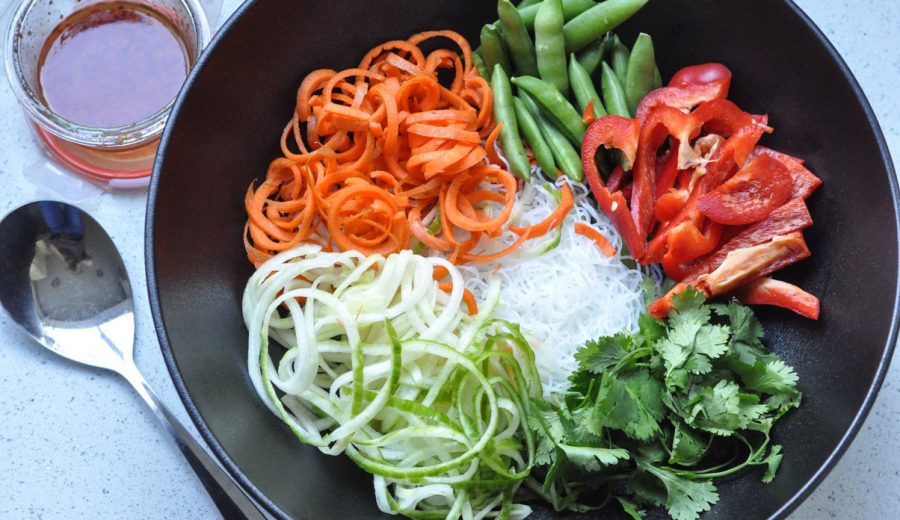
column 273, row 509
column 152, row 287
column 883, row 365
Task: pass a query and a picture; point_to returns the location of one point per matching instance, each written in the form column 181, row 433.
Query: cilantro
column 685, row 498
column 599, row 356
column 772, row 463
column 631, row 403
column 655, row 416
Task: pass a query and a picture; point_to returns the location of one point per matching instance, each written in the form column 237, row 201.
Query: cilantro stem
column 751, row 461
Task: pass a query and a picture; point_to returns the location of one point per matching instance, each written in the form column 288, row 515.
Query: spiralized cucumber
column 383, row 366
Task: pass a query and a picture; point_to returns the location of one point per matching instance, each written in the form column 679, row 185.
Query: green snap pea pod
column 531, row 130
column 478, row 61
column 566, row 156
column 613, row 94
column 583, row 87
column 618, row 58
column 561, row 112
column 525, row 3
column 641, row 69
column 591, row 56
column 505, row 113
column 493, row 48
column 521, row 48
column 582, row 30
column 571, row 9
column 551, row 46
column 657, row 79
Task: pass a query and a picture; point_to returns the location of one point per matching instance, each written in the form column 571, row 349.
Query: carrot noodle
column 381, row 157
column 602, row 242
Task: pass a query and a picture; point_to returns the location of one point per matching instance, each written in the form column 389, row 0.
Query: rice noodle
column 561, row 296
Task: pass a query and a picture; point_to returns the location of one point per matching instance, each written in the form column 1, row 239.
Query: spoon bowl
column 64, row 283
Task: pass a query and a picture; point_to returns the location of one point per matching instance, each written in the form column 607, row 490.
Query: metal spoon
column 63, row 281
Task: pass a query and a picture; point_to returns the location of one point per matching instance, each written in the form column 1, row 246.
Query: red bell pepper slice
column 612, row 132
column 689, row 87
column 750, row 263
column 739, row 267
column 789, row 218
column 661, row 123
column 755, row 191
column 668, row 172
column 723, row 117
column 615, row 207
column 622, row 134
column 687, row 243
column 663, row 306
column 767, row 291
column 701, row 75
column 673, row 268
column 733, row 154
column 670, row 204
column 724, row 163
column 616, row 179
column 805, row 182
column 682, row 98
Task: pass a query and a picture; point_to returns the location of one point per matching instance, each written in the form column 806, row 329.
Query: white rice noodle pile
column 563, row 296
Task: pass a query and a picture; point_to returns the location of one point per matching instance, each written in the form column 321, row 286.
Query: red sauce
column 111, row 65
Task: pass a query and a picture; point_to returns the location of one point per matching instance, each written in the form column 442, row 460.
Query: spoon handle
column 229, row 498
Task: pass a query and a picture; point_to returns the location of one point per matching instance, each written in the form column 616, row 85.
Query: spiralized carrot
column 383, row 155
column 602, row 242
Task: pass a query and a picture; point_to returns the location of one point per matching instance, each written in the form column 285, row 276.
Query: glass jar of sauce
column 97, row 78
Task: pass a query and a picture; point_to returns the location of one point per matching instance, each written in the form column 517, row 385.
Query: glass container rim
column 125, row 136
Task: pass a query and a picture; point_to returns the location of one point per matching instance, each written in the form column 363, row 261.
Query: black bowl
column 225, row 128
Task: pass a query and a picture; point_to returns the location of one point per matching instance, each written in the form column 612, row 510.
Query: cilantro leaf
column 650, row 329
column 744, row 325
column 599, row 356
column 631, row 403
column 691, row 305
column 772, row 377
column 647, row 488
column 630, row 508
column 712, row 341
column 773, row 461
column 685, row 499
column 723, row 409
column 692, row 342
column 592, row 459
column 688, row 445
column 545, row 421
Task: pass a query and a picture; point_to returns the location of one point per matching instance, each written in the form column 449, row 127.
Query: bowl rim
column 269, row 505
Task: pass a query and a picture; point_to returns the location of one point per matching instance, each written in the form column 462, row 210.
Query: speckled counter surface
column 76, row 443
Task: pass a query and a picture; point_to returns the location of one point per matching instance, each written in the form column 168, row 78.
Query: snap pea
column 561, row 112
column 493, row 48
column 613, row 94
column 657, row 79
column 531, row 130
column 571, row 9
column 505, row 113
column 591, row 56
column 551, row 46
column 597, row 21
column 583, row 87
column 525, row 3
column 566, row 156
column 521, row 48
column 641, row 68
column 478, row 61
column 618, row 58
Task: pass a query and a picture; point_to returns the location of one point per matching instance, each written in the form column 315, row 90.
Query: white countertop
column 77, row 443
